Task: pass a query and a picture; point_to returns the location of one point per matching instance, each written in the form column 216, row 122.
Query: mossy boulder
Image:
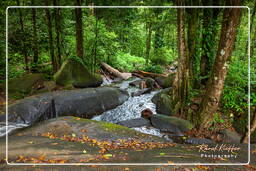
column 165, row 82
column 170, row 122
column 24, row 84
column 73, row 72
column 163, row 102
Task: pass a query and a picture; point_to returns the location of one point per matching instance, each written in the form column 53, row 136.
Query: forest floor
column 57, row 141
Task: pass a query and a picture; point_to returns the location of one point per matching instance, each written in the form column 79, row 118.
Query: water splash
column 10, row 127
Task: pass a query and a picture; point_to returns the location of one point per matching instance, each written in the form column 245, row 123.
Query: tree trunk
column 215, row 83
column 181, row 81
column 115, row 72
column 35, row 44
column 148, row 41
column 58, row 32
column 251, row 30
column 251, row 129
column 79, row 30
column 192, row 36
column 210, row 17
column 24, row 47
column 51, row 46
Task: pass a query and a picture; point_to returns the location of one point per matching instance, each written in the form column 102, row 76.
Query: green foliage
column 127, row 62
column 154, row 68
column 163, row 56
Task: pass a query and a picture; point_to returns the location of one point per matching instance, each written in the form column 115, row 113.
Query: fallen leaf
column 162, row 154
column 84, row 151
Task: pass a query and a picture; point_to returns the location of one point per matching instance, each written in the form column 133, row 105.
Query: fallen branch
column 149, row 74
column 252, row 128
column 115, row 71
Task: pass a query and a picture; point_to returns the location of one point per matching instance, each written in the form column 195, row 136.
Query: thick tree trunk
column 58, row 32
column 35, row 44
column 50, row 37
column 192, row 34
column 148, row 41
column 251, row 129
column 24, row 47
column 79, row 30
column 181, row 81
column 215, row 82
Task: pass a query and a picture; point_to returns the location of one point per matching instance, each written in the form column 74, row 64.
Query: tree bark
column 148, row 41
column 35, row 44
column 79, row 30
column 208, row 39
column 251, row 30
column 50, row 37
column 181, row 80
column 58, row 32
column 24, row 48
column 251, row 129
column 192, row 36
column 215, row 83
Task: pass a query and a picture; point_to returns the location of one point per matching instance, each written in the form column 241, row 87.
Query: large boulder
column 170, row 123
column 163, row 102
column 165, row 82
column 75, row 73
column 82, row 102
column 137, row 122
column 24, row 84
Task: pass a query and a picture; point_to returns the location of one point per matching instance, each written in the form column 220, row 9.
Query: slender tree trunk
column 192, row 36
column 251, row 30
column 24, row 47
column 58, row 32
column 215, row 83
column 51, row 46
column 251, row 129
column 148, row 41
column 79, row 30
column 181, row 81
column 35, row 44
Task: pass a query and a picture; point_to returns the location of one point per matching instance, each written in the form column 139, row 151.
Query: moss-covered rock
column 74, row 73
column 168, row 122
column 24, row 84
column 169, row 80
column 163, row 102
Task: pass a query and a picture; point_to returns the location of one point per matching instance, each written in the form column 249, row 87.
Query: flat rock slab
column 28, row 143
column 137, row 122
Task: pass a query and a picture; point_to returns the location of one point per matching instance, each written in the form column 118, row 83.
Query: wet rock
column 163, row 102
column 198, row 141
column 230, row 136
column 138, row 122
column 83, row 102
column 74, row 73
column 140, row 92
column 146, row 113
column 160, row 81
column 170, row 123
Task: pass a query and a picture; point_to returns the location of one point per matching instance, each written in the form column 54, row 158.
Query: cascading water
column 131, row 108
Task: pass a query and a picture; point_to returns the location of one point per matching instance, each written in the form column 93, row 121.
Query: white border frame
column 131, row 164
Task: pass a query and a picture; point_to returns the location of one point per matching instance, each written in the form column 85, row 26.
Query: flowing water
column 130, row 109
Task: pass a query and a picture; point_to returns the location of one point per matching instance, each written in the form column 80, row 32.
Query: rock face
column 170, row 123
column 83, row 103
column 138, row 122
column 74, row 73
column 24, row 84
column 163, row 102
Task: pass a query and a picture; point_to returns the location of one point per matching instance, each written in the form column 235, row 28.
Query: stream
column 130, row 109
